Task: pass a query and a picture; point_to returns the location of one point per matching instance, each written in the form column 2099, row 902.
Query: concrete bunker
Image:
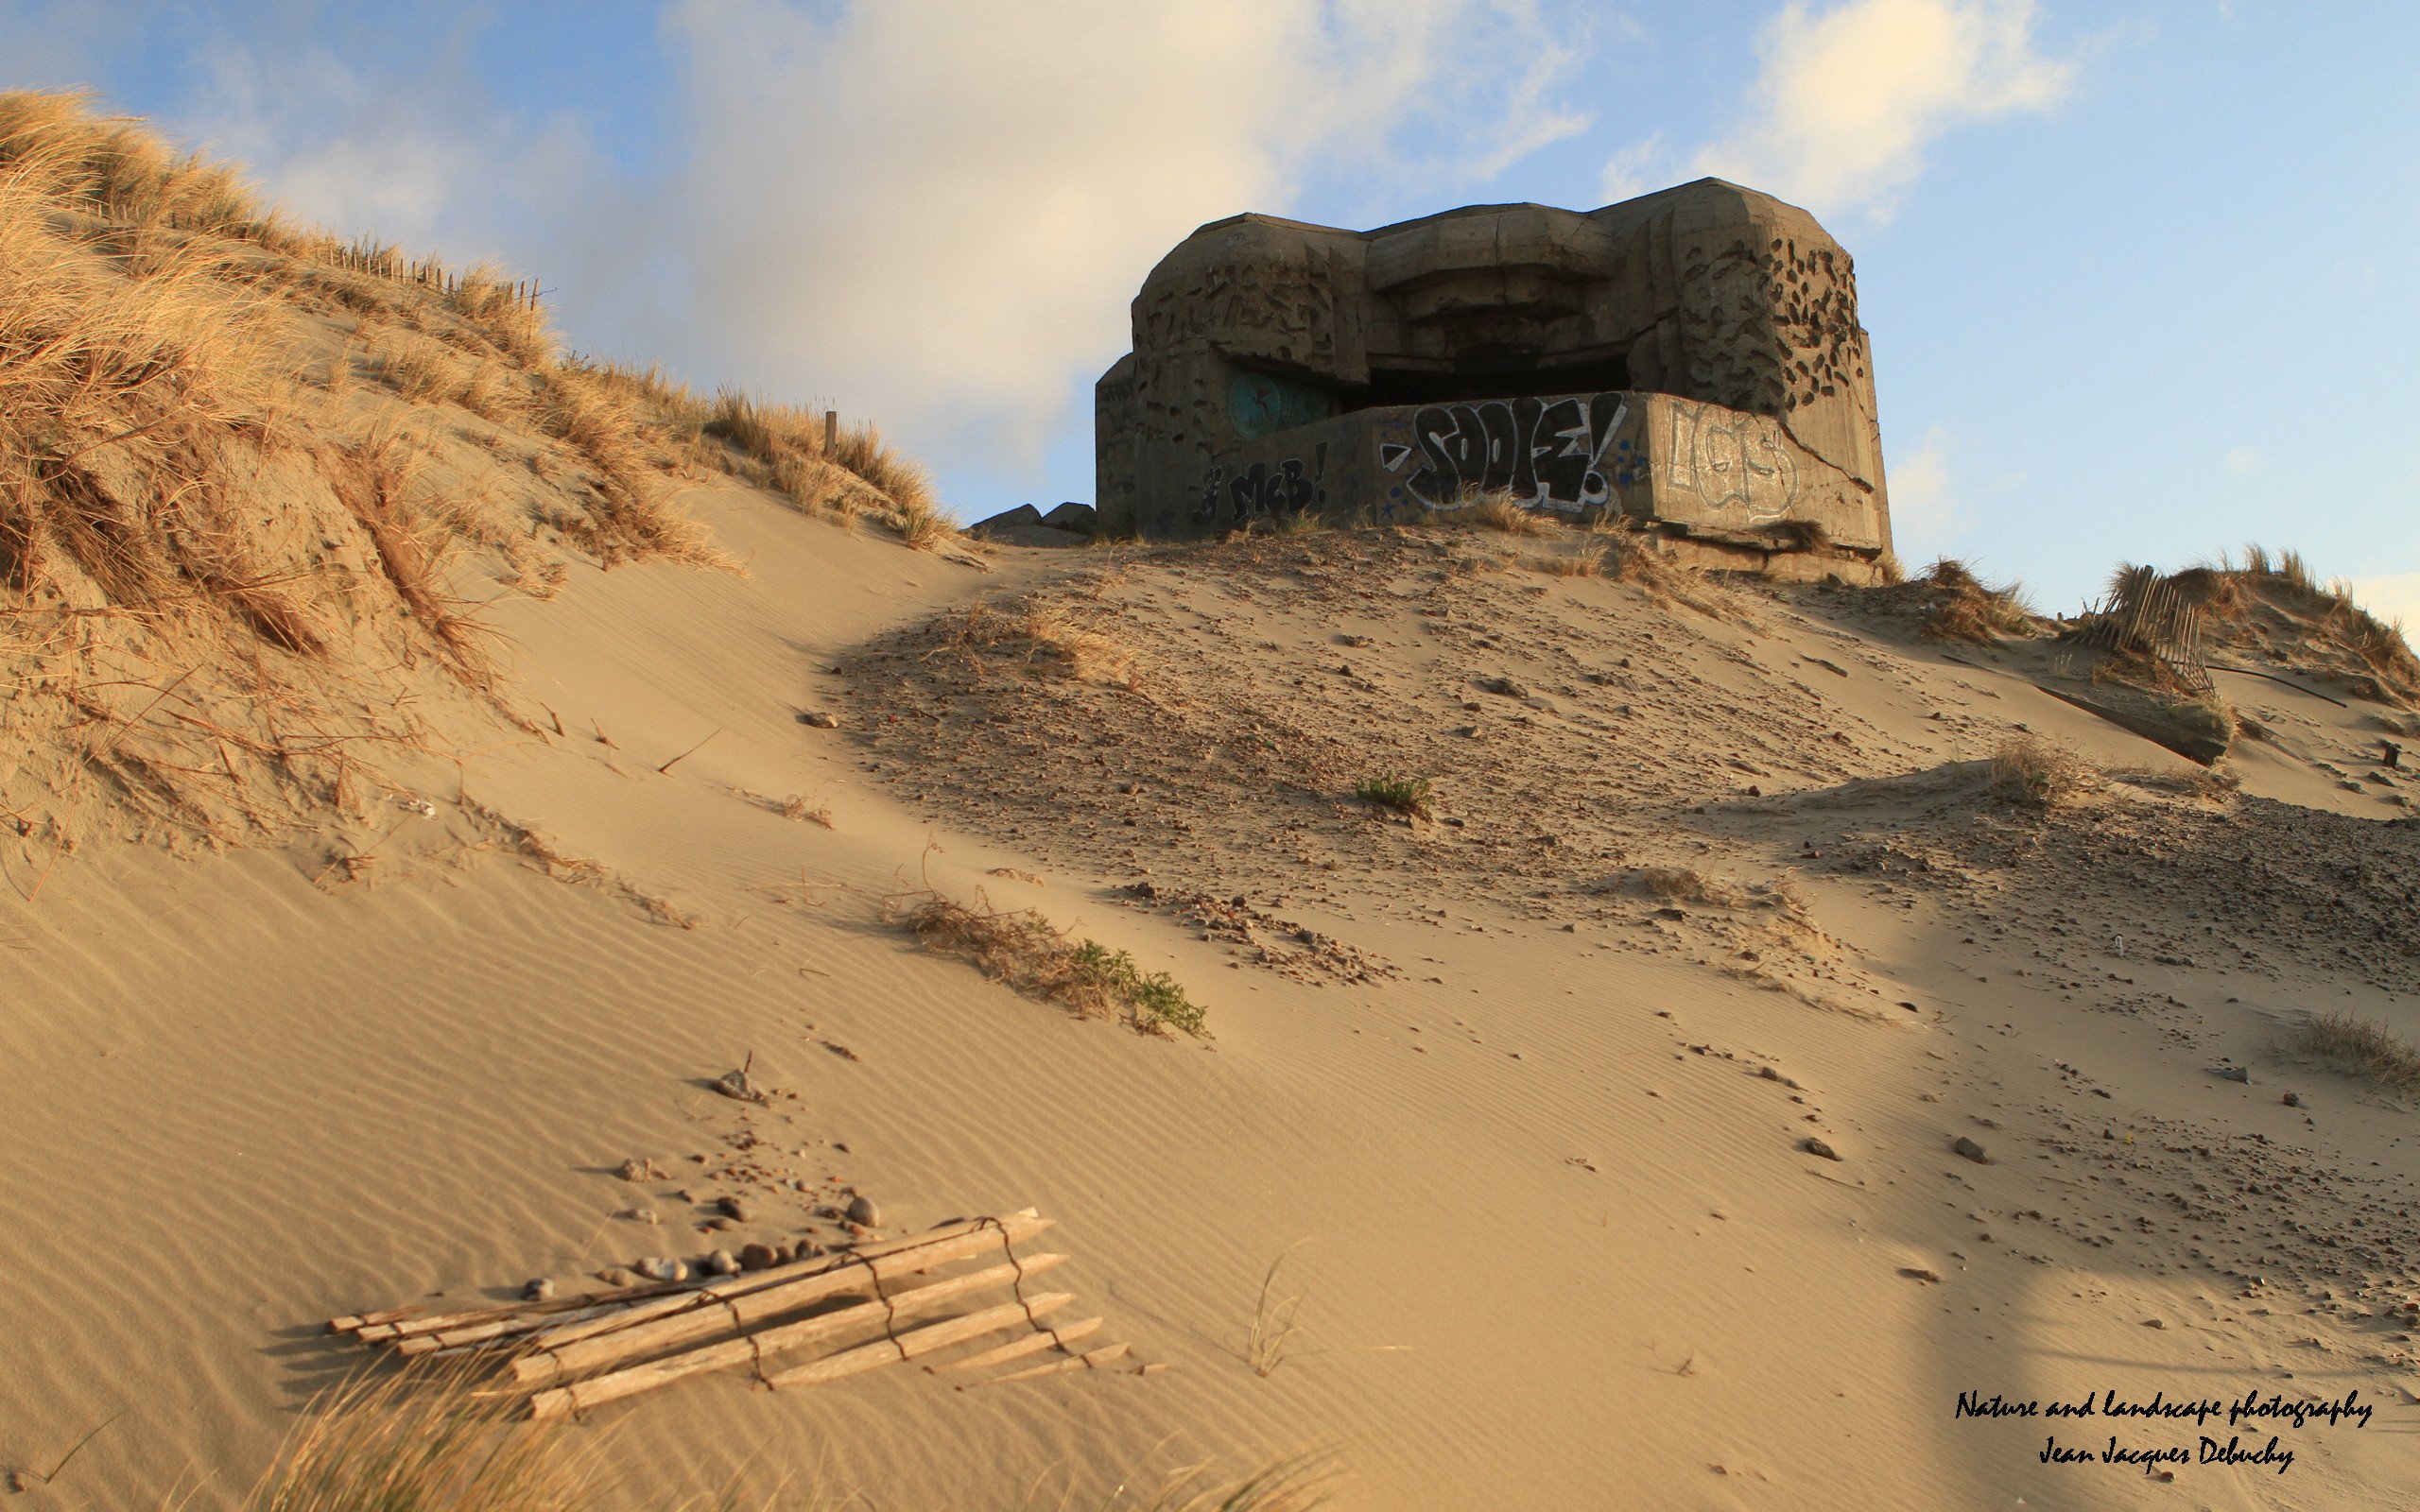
column 1690, row 359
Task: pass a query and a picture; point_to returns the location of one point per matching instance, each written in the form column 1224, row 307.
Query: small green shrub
column 1026, row 951
column 1154, row 997
column 1407, row 794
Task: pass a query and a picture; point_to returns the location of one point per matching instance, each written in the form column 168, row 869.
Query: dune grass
column 1405, row 794
column 1028, row 952
column 2032, row 773
column 1498, row 509
column 218, row 561
column 443, row 1441
column 856, row 475
column 2373, row 1050
column 413, row 1442
column 1965, row 607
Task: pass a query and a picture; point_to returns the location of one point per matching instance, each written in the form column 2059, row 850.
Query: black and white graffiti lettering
column 1733, row 462
column 1262, row 491
column 1551, row 454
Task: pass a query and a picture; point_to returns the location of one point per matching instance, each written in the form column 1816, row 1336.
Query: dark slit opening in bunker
column 1469, row 381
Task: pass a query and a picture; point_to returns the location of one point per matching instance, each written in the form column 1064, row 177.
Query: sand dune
column 1564, row 1247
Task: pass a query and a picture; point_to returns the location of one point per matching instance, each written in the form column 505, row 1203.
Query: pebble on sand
column 1815, row 1147
column 862, row 1211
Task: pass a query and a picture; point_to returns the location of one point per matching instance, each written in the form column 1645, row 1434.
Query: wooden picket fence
column 868, row 1306
column 387, row 262
column 2145, row 613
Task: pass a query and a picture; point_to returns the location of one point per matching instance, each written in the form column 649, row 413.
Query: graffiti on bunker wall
column 1552, row 453
column 1731, row 461
column 1264, row 490
column 1261, row 404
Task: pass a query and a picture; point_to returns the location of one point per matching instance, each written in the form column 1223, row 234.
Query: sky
column 2142, row 276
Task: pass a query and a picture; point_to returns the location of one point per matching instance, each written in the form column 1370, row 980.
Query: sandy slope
column 1564, row 1248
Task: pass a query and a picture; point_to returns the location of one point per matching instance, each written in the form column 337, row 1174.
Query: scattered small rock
column 820, row 719
column 2292, row 1099
column 736, row 1208
column 618, row 1276
column 1815, row 1147
column 1917, row 1272
column 635, row 1169
column 1962, row 1146
column 862, row 1211
column 538, row 1290
column 758, row 1255
column 657, row 1268
column 2241, row 1073
column 723, row 1262
column 737, row 1086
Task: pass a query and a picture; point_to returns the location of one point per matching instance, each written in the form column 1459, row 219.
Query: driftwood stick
column 1019, row 1348
column 923, row 1341
column 712, row 1292
column 564, row 1401
column 730, row 1314
column 1092, row 1361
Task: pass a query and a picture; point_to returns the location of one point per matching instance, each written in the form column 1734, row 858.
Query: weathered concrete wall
column 1357, row 370
column 1714, row 472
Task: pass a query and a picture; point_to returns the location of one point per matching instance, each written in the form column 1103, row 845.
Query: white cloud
column 1926, row 515
column 2391, row 596
column 1626, row 174
column 415, row 160
column 1850, row 99
column 2242, row 460
column 941, row 213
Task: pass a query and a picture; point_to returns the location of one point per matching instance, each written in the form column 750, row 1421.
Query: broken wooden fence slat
column 1019, row 1348
column 1106, row 1354
column 925, row 1340
column 563, row 1400
column 479, row 1336
column 403, row 1327
column 1017, row 1224
column 730, row 1314
column 354, row 1321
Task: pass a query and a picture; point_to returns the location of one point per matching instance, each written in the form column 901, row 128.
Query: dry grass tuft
column 1300, row 1483
column 1047, row 637
column 1497, row 509
column 2028, row 770
column 1626, row 553
column 1965, row 607
column 2207, row 785
column 795, row 807
column 856, row 476
column 407, row 1441
column 2372, row 1048
column 1686, row 884
column 1025, row 950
